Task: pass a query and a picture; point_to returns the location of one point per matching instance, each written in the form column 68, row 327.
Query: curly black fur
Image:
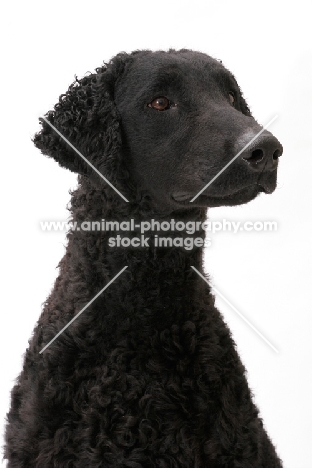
column 148, row 376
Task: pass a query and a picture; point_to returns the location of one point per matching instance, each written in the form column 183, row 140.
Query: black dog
column 148, row 375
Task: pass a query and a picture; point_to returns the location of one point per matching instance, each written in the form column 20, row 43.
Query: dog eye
column 160, row 103
column 232, row 98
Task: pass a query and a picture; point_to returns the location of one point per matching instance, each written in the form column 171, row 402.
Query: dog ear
column 85, row 118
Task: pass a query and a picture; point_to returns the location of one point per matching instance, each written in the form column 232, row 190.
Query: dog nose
column 263, row 153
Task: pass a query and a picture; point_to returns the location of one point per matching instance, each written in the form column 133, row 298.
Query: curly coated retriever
column 148, row 375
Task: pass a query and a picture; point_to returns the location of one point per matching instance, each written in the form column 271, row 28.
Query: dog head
column 162, row 126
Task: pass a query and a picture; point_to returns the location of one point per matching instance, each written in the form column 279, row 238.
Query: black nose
column 263, row 153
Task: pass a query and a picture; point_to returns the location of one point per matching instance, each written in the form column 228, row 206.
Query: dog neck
column 159, row 284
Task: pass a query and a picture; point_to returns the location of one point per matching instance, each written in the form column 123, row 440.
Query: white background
column 266, row 276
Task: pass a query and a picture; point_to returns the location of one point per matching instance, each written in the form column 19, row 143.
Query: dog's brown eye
column 232, row 98
column 161, row 103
